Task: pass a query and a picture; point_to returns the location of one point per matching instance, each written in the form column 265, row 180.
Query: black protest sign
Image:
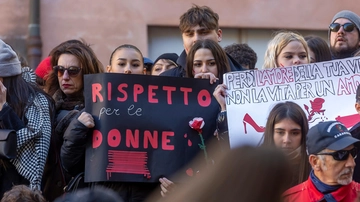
column 142, row 127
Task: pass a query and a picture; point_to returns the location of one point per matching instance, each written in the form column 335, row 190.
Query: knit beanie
column 43, row 68
column 353, row 17
column 9, row 62
column 168, row 56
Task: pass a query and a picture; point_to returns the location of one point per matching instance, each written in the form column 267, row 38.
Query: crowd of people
column 294, row 162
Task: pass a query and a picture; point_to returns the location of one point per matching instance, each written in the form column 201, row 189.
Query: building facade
column 152, row 25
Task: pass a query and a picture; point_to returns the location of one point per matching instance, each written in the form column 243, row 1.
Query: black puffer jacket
column 54, row 178
column 73, row 149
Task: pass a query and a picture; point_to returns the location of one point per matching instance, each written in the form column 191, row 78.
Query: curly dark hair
column 242, row 53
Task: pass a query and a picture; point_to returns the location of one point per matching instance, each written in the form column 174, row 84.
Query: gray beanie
column 353, row 17
column 9, row 62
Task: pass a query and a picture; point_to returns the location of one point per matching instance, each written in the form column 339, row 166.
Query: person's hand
column 219, row 94
column 207, row 75
column 2, row 95
column 166, row 186
column 86, row 119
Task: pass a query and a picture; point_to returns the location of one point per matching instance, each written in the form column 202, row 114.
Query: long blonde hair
column 278, row 43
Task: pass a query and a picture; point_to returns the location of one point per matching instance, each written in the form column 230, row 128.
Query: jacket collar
column 339, row 195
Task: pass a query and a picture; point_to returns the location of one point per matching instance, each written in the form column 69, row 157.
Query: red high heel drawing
column 248, row 120
column 348, row 120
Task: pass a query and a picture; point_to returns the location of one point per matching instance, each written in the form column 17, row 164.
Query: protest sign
column 325, row 91
column 142, row 127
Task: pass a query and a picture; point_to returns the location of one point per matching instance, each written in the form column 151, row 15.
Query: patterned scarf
column 33, row 141
column 66, row 109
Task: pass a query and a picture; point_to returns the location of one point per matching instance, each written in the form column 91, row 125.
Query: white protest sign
column 325, row 91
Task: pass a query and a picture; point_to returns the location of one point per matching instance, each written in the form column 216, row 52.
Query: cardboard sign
column 326, row 91
column 142, row 127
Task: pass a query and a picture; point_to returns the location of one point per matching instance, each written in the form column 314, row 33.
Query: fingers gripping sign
column 207, row 75
column 166, row 186
column 219, row 94
column 86, row 119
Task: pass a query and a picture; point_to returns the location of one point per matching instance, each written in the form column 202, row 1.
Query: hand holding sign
column 86, row 119
column 219, row 94
column 166, row 186
column 207, row 75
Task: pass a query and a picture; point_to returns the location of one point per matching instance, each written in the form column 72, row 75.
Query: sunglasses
column 72, row 70
column 342, row 155
column 348, row 27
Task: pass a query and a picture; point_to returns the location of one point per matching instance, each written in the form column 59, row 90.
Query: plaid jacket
column 33, row 140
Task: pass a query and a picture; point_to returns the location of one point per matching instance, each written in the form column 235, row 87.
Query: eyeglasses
column 72, row 70
column 342, row 155
column 348, row 27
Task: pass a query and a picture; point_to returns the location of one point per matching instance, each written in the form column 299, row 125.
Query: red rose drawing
column 197, row 124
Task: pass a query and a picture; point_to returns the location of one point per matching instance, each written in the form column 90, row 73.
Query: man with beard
column 344, row 34
column 331, row 152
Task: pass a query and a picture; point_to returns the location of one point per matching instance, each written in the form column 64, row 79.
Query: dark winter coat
column 55, row 178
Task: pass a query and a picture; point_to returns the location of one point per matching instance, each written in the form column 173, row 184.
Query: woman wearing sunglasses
column 125, row 59
column 286, row 129
column 344, row 35
column 70, row 60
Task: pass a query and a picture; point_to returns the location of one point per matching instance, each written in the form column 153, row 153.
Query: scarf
column 68, row 103
column 324, row 188
column 33, row 141
column 67, row 108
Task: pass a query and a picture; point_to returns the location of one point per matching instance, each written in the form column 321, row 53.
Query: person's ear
column 144, row 71
column 219, row 34
column 108, row 68
column 357, row 107
column 314, row 162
